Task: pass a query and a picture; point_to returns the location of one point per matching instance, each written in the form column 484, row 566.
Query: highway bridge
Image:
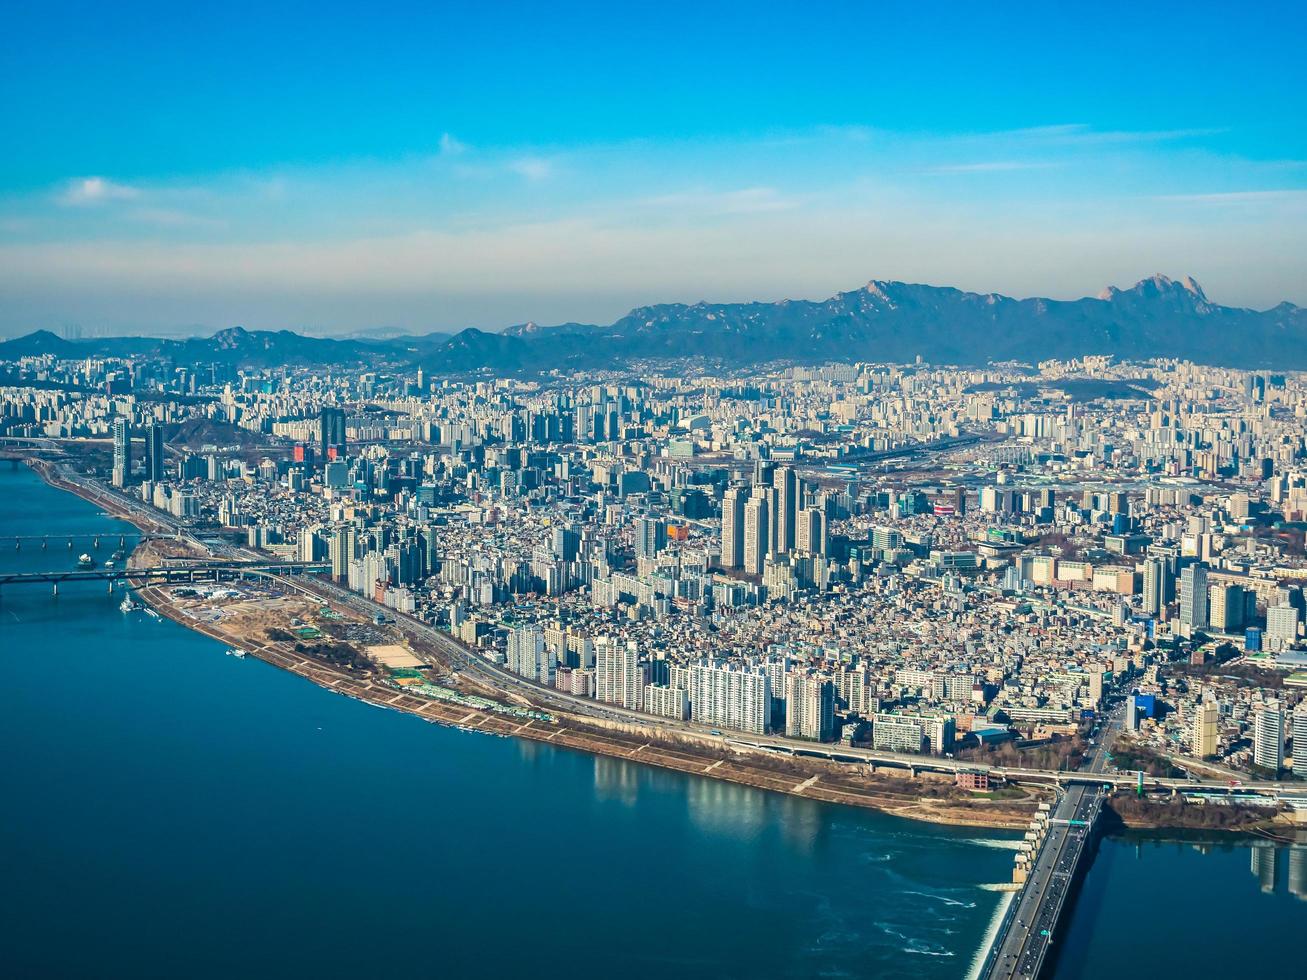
column 164, row 574
column 1030, row 924
column 70, row 538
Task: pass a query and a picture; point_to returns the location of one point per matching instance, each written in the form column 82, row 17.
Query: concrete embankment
column 922, row 798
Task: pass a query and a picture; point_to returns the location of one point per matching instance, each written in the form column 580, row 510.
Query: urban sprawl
column 904, row 557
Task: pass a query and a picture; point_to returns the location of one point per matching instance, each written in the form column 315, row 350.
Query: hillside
column 882, row 321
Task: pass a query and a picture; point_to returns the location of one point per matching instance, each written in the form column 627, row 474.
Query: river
column 175, row 811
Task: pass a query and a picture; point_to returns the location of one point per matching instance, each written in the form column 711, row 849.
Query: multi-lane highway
column 518, row 688
column 1031, row 923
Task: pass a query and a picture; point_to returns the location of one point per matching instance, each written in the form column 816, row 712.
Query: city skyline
column 574, row 166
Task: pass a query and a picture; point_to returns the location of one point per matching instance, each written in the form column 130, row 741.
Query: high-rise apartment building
column 1281, row 626
column 756, row 531
column 1300, row 740
column 810, row 535
column 1225, row 606
column 1268, row 737
column 1203, row 733
column 617, row 673
column 733, row 528
column 809, row 708
column 650, row 537
column 788, row 488
column 528, row 656
column 732, row 696
column 122, row 452
column 1155, row 580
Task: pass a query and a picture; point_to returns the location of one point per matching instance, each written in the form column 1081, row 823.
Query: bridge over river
column 163, row 574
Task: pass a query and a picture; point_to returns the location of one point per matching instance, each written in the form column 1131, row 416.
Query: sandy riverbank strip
column 923, row 798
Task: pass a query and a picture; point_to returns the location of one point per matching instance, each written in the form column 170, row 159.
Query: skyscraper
column 1268, row 737
column 756, row 531
column 154, row 452
column 331, row 433
column 788, row 487
column 122, row 452
column 733, row 528
column 1193, row 599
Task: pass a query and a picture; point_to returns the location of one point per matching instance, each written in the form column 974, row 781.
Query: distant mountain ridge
column 882, row 321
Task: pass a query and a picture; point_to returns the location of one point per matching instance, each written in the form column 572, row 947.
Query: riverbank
column 924, row 797
column 161, row 787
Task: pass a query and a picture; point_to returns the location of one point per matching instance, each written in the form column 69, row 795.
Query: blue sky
column 326, row 167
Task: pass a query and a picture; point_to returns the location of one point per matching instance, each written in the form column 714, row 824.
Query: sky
column 333, row 168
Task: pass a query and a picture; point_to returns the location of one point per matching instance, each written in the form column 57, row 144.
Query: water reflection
column 1265, row 858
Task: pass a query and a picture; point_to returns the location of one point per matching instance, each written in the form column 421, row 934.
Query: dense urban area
column 911, row 558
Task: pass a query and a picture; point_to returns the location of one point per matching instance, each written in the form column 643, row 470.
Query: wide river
column 169, row 810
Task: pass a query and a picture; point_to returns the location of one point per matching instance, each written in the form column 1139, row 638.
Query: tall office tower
column 1156, row 574
column 1268, row 737
column 122, row 452
column 810, row 535
column 617, row 673
column 809, row 708
column 331, row 433
column 650, row 537
column 730, row 696
column 756, row 531
column 154, row 452
column 1300, row 740
column 431, row 550
column 342, row 550
column 1193, row 599
column 1202, row 736
column 789, row 489
column 733, row 528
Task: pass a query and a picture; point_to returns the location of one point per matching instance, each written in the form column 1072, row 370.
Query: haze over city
column 184, row 170
column 712, row 490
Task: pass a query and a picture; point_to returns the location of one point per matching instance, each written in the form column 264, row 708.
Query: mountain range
column 882, row 321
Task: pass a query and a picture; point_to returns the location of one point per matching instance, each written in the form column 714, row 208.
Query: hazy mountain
column 883, row 321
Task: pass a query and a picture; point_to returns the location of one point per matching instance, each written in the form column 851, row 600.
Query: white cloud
column 94, row 190
column 531, row 167
column 452, row 146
